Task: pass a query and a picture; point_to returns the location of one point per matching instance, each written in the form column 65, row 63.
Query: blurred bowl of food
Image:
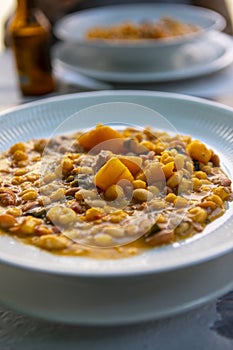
column 139, row 34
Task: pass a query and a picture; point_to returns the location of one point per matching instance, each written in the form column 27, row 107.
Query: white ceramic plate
column 158, row 283
column 208, row 55
column 72, row 29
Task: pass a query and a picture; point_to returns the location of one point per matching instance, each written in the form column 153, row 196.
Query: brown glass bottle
column 30, row 37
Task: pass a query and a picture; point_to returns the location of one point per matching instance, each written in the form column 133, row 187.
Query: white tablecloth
column 202, row 328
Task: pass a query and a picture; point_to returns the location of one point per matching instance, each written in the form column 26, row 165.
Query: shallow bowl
column 72, row 29
column 160, row 282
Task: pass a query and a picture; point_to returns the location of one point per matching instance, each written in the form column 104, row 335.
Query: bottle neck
column 27, row 14
column 25, row 5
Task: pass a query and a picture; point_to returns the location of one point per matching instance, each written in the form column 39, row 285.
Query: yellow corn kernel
column 161, row 219
column 180, row 202
column 154, row 189
column 198, row 214
column 25, row 189
column 216, row 199
column 168, row 169
column 205, row 188
column 222, row 192
column 29, row 195
column 200, row 175
column 205, row 182
column 115, row 219
column 114, row 231
column 139, row 184
column 196, row 183
column 28, row 225
column 182, row 228
column 67, row 165
column 52, row 242
column 174, row 180
column 148, row 144
column 159, row 148
column 94, row 214
column 17, row 180
column 117, row 216
column 14, row 211
column 166, row 158
column 103, row 239
column 20, row 172
column 113, row 192
column 32, row 177
column 170, row 197
column 157, row 204
column 142, row 195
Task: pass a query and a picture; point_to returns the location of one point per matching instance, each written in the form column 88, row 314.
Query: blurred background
column 6, row 7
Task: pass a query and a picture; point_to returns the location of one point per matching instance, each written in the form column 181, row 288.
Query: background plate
column 212, row 53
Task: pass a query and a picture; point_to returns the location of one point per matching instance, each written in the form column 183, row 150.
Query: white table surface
column 207, row 327
column 217, row 86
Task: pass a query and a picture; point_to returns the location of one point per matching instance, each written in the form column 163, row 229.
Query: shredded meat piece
column 161, row 237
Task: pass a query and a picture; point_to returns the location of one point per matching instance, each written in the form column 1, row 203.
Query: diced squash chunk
column 111, row 173
column 98, row 135
column 198, row 151
column 132, row 163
